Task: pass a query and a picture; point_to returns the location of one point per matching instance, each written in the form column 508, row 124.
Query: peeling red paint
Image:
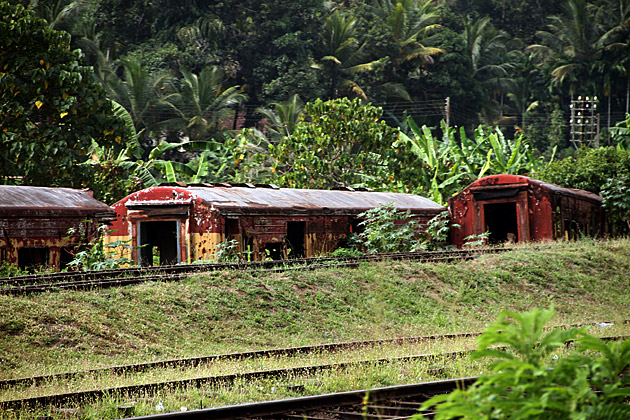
column 261, row 218
column 540, row 210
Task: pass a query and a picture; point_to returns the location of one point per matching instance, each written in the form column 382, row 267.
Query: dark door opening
column 273, row 250
column 295, row 239
column 231, row 227
column 501, row 222
column 158, row 242
column 65, row 258
column 32, row 258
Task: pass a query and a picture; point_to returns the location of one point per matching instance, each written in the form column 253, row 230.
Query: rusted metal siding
column 259, row 218
column 38, row 219
column 542, row 210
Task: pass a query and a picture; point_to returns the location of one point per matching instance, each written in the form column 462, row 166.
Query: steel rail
column 185, row 268
column 197, row 361
column 151, row 388
column 299, row 408
column 288, row 351
column 171, row 273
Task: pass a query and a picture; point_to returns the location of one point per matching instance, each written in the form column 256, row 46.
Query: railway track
column 86, row 280
column 198, row 361
column 290, row 351
column 392, row 402
column 155, row 387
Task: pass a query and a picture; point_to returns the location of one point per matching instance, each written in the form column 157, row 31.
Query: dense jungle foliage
column 421, row 96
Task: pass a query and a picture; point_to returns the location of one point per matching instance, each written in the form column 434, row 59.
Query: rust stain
column 258, row 217
column 544, row 211
column 34, row 222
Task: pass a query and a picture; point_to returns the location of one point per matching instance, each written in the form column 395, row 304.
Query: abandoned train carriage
column 517, row 208
column 35, row 223
column 186, row 223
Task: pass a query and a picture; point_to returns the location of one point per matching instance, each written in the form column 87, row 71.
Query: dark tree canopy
column 51, row 109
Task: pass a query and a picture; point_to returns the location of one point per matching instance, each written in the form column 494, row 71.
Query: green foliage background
column 194, row 71
column 50, row 106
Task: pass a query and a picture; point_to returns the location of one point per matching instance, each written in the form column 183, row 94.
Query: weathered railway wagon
column 186, row 223
column 517, row 208
column 34, row 223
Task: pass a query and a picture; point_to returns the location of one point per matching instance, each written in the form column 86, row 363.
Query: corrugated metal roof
column 16, row 200
column 244, row 199
column 503, row 180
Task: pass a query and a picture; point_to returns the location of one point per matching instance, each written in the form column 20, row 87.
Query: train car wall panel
column 35, row 224
column 515, row 208
column 265, row 221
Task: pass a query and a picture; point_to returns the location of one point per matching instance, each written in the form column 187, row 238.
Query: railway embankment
column 195, row 342
column 229, row 311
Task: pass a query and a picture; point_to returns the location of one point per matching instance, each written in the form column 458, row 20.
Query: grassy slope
column 230, row 311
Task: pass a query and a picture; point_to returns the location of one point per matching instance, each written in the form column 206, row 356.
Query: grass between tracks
column 233, row 311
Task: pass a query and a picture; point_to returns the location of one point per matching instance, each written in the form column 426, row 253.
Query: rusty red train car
column 186, row 223
column 517, row 208
column 34, row 224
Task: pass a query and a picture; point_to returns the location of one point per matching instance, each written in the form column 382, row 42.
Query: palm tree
column 614, row 15
column 410, row 23
column 60, row 14
column 345, row 56
column 572, row 45
column 201, row 102
column 487, row 49
column 284, row 116
column 140, row 93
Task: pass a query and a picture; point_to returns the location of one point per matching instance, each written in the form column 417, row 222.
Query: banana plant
column 128, row 158
column 449, row 164
column 211, row 165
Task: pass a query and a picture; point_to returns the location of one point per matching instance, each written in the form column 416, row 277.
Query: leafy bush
column 346, row 253
column 475, row 240
column 621, row 134
column 10, row 270
column 227, row 251
column 589, row 169
column 387, row 229
column 92, row 253
column 438, row 230
column 616, row 195
column 530, row 381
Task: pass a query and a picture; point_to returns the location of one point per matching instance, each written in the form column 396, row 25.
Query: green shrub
column 387, row 229
column 91, row 253
column 616, row 195
column 530, row 381
column 621, row 134
column 10, row 270
column 589, row 169
column 346, row 253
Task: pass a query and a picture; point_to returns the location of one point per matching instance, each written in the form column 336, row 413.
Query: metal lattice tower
column 584, row 121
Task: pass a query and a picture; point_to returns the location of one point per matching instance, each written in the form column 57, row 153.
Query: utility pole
column 447, row 111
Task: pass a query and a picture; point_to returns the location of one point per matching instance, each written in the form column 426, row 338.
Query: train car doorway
column 158, row 242
column 32, row 259
column 295, row 239
column 501, row 221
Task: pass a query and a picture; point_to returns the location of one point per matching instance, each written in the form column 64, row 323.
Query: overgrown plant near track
column 387, row 229
column 93, row 254
column 530, row 381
